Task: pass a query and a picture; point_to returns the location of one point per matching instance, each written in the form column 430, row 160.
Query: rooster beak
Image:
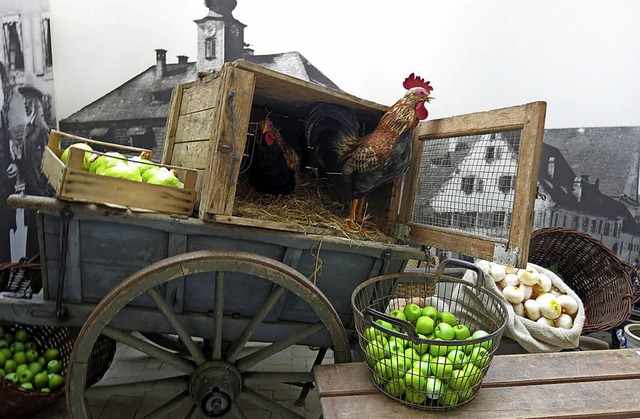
column 430, row 98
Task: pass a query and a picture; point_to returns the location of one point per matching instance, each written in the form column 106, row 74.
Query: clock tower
column 220, row 36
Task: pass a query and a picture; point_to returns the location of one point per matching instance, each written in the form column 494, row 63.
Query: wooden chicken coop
column 470, row 188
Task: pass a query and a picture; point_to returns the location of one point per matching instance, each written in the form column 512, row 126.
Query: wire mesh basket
column 437, row 360
column 591, row 270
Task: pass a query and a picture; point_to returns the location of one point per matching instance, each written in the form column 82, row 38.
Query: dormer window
column 492, row 153
column 210, row 47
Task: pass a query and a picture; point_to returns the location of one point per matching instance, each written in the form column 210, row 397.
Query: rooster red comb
column 413, row 81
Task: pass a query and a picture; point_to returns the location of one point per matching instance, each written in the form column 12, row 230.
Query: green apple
column 4, row 343
column 25, row 376
column 371, row 333
column 465, row 395
column 10, row 366
column 468, row 348
column 425, row 357
column 386, row 325
column 414, row 396
column 445, row 331
column 414, row 378
column 462, row 332
column 374, row 350
column 56, row 381
column 438, row 350
column 21, row 335
column 32, row 355
column 448, row 398
column 430, row 311
column 42, row 361
column 26, row 386
column 2, row 372
column 393, row 348
column 2, row 360
column 411, row 355
column 400, row 341
column 21, row 368
column 459, row 380
column 41, row 380
column 412, row 311
column 11, row 376
column 35, row 367
column 398, row 367
column 479, row 356
column 420, row 347
column 398, row 314
column 8, row 337
column 434, row 388
column 17, row 346
column 45, row 390
column 20, row 357
column 30, row 345
column 480, row 334
column 473, row 373
column 381, row 372
column 441, row 367
column 425, row 325
column 54, row 366
column 423, row 366
column 447, row 317
column 458, row 358
column 395, row 387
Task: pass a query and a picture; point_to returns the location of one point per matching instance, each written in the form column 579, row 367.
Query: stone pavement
column 129, row 365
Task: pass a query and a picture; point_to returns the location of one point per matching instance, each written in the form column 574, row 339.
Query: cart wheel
column 210, row 386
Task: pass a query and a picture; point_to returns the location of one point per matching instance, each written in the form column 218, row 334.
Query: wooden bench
column 577, row 384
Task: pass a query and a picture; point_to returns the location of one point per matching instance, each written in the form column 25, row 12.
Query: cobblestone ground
column 129, row 365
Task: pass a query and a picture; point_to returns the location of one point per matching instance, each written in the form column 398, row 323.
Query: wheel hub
column 214, row 387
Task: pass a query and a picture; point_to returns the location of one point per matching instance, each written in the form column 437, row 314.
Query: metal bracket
column 505, row 257
column 402, row 233
column 66, row 214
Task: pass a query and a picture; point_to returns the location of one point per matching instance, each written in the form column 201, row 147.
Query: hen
column 275, row 163
column 377, row 158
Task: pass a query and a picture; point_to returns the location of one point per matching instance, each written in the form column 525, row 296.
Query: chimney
column 578, row 183
column 182, row 59
column 161, row 62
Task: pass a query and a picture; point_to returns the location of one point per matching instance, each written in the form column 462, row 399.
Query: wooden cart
column 218, row 282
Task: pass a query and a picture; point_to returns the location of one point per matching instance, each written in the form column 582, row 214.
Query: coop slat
column 200, row 96
column 192, row 154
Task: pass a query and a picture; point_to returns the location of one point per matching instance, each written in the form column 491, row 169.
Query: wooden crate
column 209, row 121
column 72, row 183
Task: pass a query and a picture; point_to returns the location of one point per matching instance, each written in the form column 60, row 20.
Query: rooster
column 377, row 158
column 275, row 163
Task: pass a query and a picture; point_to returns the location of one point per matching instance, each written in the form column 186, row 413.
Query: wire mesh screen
column 468, row 182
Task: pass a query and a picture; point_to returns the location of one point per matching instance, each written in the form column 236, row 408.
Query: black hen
column 274, row 162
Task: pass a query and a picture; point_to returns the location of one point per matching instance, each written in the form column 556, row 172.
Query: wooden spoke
column 236, row 411
column 256, row 357
column 258, row 318
column 168, row 313
column 218, row 307
column 137, row 388
column 169, row 407
column 152, row 350
column 258, row 399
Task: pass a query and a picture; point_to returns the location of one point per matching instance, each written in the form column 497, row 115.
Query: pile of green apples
column 117, row 165
column 442, row 372
column 23, row 364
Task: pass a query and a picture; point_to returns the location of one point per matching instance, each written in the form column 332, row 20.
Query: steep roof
column 148, row 96
column 608, row 154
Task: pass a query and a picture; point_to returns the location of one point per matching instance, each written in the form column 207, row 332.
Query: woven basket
column 20, row 279
column 16, row 403
column 591, row 270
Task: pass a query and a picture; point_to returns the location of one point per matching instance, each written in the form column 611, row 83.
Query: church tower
column 220, row 36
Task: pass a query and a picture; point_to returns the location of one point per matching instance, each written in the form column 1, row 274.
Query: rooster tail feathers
column 329, row 129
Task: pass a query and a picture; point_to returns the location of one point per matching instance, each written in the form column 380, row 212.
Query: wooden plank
column 570, row 400
column 201, row 95
column 272, row 225
column 192, row 154
column 172, row 123
column 53, row 169
column 527, row 180
column 228, row 142
column 195, row 126
column 453, row 241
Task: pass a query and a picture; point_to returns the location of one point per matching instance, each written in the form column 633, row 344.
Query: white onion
column 518, row 309
column 510, row 270
column 527, row 291
column 545, row 282
column 564, row 321
column 528, row 277
column 568, row 303
column 544, row 320
column 532, row 309
column 509, row 279
column 549, row 306
column 513, row 294
column 497, row 272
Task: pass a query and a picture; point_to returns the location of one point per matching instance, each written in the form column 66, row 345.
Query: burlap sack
column 532, row 336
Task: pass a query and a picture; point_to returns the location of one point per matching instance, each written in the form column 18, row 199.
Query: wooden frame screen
column 472, row 183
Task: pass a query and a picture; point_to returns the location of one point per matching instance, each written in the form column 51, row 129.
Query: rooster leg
column 352, row 216
column 360, row 210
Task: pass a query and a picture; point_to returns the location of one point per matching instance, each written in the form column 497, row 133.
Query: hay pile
column 310, row 206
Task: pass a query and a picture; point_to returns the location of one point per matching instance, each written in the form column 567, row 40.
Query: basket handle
column 369, row 314
column 462, row 264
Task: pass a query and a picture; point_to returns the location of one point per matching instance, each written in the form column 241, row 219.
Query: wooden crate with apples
column 73, row 183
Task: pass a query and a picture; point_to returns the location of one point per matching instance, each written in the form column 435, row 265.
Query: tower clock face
column 210, row 30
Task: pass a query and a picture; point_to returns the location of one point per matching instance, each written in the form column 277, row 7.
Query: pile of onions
column 533, row 296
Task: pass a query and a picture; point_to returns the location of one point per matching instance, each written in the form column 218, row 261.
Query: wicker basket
column 20, row 279
column 17, row 403
column 591, row 270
